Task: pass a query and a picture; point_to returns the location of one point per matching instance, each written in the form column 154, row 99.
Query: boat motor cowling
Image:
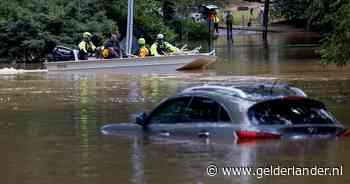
column 61, row 53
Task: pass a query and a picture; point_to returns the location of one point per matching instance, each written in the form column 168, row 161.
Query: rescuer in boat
column 161, row 47
column 112, row 47
column 143, row 50
column 86, row 47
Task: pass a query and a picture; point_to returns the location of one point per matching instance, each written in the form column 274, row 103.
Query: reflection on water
column 49, row 130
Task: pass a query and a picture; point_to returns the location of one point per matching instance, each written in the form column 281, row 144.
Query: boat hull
column 124, row 65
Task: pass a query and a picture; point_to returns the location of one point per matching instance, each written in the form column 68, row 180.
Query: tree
column 336, row 45
column 330, row 18
column 30, row 29
column 305, row 13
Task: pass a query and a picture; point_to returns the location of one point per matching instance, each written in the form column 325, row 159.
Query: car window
column 205, row 110
column 189, row 110
column 170, row 111
column 290, row 114
column 262, row 93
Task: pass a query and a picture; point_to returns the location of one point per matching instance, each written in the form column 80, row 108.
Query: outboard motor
column 61, row 53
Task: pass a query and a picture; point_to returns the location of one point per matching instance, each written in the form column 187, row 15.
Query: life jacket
column 158, row 49
column 87, row 47
column 162, row 49
column 105, row 53
column 216, row 19
column 143, row 52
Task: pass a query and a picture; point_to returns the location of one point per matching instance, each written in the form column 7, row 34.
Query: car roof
column 228, row 100
column 237, row 100
column 257, row 93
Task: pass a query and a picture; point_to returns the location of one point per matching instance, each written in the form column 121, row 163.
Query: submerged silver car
column 263, row 111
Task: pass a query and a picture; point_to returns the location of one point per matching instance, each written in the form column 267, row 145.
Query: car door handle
column 164, row 133
column 203, row 134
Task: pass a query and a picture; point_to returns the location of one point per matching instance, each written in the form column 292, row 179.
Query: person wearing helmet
column 112, row 47
column 86, row 47
column 161, row 47
column 143, row 50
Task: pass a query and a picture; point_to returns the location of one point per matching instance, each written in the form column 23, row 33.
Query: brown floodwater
column 50, row 123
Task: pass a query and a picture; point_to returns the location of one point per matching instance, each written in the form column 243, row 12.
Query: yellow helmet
column 87, row 35
column 142, row 41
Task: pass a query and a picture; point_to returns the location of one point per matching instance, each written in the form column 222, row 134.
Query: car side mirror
column 141, row 119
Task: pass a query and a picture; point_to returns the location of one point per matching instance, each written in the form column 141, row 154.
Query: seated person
column 86, row 47
column 112, row 47
column 161, row 47
column 143, row 50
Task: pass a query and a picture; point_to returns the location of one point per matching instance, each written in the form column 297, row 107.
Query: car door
column 191, row 117
column 167, row 118
column 209, row 119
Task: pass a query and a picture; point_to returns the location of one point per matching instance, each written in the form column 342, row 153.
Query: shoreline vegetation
column 329, row 18
column 29, row 29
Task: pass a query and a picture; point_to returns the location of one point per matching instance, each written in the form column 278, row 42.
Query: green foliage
column 176, row 16
column 195, row 30
column 331, row 18
column 29, row 29
column 292, row 10
column 336, row 46
column 307, row 13
column 148, row 27
column 149, row 22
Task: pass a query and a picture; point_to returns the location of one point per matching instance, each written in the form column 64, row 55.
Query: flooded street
column 50, row 125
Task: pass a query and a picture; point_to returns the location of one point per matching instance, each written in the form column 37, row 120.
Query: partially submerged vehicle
column 67, row 60
column 266, row 111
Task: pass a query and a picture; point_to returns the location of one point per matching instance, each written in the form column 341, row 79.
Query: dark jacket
column 112, row 43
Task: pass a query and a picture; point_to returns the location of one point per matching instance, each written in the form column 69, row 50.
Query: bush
column 195, row 30
column 148, row 27
column 30, row 29
column 330, row 18
column 336, row 46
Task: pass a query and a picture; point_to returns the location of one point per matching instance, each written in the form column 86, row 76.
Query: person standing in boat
column 143, row 50
column 112, row 47
column 86, row 47
column 161, row 47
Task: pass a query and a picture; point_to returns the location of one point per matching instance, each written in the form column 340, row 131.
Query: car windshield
column 289, row 113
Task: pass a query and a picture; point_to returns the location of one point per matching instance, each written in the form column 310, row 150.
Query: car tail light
column 345, row 133
column 243, row 134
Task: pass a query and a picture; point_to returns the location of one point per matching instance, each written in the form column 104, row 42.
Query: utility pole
column 130, row 24
column 266, row 18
